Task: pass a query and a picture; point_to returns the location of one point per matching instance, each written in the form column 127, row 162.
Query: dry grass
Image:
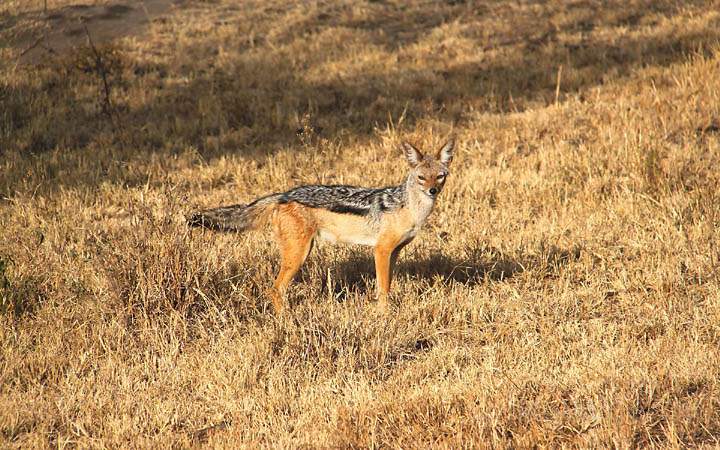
column 566, row 292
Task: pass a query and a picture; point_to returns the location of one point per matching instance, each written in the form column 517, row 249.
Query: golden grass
column 565, row 293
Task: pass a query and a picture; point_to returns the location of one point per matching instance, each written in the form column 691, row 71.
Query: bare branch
column 100, row 66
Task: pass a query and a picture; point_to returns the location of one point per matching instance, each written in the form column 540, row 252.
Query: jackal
column 384, row 218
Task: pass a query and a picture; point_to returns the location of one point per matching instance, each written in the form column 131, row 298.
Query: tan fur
column 296, row 226
column 294, row 231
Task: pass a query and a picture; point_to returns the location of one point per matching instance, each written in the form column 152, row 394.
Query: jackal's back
column 343, row 199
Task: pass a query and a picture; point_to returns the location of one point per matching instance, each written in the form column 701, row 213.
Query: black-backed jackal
column 385, row 218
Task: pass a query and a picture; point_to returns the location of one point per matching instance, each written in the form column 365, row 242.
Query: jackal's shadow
column 478, row 265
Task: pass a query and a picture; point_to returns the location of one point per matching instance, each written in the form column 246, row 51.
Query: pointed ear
column 445, row 155
column 412, row 154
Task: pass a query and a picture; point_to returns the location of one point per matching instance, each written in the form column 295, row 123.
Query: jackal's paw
column 277, row 301
column 382, row 303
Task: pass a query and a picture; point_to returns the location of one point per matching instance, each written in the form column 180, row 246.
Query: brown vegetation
column 566, row 292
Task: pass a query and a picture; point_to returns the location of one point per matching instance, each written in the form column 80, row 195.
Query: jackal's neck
column 418, row 203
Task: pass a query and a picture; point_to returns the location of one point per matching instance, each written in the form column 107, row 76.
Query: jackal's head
column 428, row 173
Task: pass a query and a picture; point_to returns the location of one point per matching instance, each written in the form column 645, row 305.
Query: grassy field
column 564, row 294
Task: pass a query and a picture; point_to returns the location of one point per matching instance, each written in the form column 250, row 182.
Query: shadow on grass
column 19, row 296
column 481, row 265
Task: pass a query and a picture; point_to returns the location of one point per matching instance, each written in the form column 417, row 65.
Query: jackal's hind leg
column 294, row 234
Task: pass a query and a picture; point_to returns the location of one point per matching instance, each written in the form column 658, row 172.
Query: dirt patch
column 31, row 36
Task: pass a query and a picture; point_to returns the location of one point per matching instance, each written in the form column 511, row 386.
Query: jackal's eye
column 441, row 177
column 421, row 178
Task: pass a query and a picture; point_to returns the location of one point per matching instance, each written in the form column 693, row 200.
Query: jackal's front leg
column 386, row 253
column 383, row 256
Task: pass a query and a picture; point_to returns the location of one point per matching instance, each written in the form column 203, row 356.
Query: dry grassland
column 565, row 293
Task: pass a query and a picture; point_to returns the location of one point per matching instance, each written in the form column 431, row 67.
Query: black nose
column 433, row 191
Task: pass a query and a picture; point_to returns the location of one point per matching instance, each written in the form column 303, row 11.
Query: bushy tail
column 235, row 217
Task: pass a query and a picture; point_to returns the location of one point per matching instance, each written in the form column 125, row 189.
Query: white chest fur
column 420, row 207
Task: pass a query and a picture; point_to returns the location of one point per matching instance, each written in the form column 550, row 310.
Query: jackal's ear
column 413, row 155
column 445, row 155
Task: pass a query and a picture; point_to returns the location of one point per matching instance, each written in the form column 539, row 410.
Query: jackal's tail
column 235, row 217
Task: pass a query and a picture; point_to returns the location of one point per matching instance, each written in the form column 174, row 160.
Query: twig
column 38, row 40
column 203, row 434
column 34, row 44
column 107, row 106
column 557, row 86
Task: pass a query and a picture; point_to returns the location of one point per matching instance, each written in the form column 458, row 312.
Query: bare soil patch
column 33, row 35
